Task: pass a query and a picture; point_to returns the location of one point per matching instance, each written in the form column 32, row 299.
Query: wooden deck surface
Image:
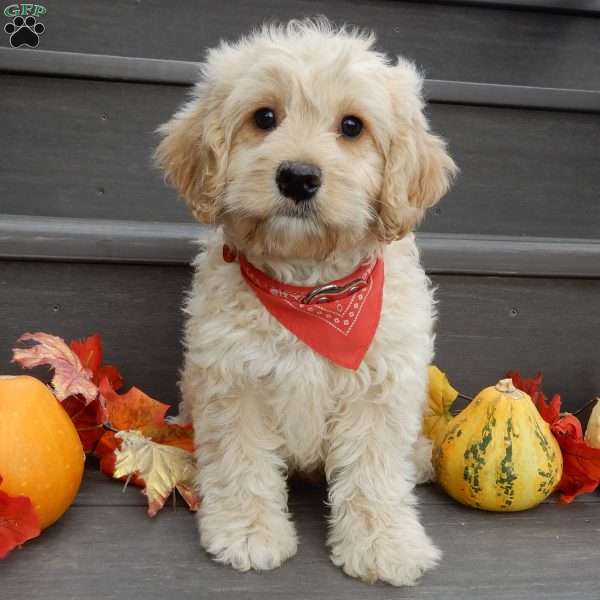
column 106, row 547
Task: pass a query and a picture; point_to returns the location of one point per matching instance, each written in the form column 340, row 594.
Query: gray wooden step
column 487, row 324
column 106, row 547
column 449, row 40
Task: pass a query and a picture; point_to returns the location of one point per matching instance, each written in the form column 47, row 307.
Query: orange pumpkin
column 40, row 452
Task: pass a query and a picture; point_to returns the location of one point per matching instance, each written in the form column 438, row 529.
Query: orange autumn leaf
column 105, row 451
column 136, row 411
column 131, row 410
column 180, row 436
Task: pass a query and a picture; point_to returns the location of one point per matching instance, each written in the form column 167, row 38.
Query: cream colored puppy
column 311, row 152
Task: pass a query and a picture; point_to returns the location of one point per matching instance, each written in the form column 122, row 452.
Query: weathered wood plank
column 88, row 146
column 102, row 240
column 84, row 149
column 502, row 46
column 487, row 325
column 490, row 325
column 179, row 72
column 516, row 179
column 136, row 310
column 116, row 552
column 591, row 7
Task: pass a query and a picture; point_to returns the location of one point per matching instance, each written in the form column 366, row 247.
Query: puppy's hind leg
column 243, row 518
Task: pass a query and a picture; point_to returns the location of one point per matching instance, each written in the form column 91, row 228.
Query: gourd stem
column 507, row 386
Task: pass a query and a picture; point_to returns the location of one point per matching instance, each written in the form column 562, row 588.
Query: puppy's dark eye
column 265, row 118
column 351, row 126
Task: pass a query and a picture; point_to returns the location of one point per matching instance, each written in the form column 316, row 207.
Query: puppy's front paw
column 262, row 546
column 394, row 556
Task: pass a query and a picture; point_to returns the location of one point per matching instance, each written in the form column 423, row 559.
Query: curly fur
column 262, row 403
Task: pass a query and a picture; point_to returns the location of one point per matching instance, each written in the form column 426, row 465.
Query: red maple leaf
column 532, row 386
column 89, row 351
column 529, row 385
column 18, row 522
column 581, row 463
column 549, row 412
column 88, row 418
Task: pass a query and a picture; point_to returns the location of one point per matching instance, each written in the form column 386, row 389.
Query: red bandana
column 338, row 320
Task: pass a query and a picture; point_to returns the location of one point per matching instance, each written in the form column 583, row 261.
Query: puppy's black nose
column 298, row 181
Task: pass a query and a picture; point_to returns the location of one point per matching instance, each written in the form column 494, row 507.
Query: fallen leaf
column 532, row 386
column 581, row 463
column 137, row 411
column 180, row 436
column 529, row 385
column 133, row 409
column 549, row 412
column 87, row 418
column 89, row 351
column 162, row 469
column 441, row 397
column 70, row 377
column 111, row 374
column 18, row 522
column 105, row 451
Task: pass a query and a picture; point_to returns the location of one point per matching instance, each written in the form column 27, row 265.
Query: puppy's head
column 302, row 140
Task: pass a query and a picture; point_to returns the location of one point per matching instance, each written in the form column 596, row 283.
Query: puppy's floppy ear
column 418, row 170
column 193, row 152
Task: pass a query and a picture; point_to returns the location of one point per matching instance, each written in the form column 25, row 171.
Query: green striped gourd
column 498, row 453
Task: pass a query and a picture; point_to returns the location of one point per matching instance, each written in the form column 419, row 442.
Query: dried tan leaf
column 70, row 377
column 162, row 468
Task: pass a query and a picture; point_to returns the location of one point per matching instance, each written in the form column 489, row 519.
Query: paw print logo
column 24, row 32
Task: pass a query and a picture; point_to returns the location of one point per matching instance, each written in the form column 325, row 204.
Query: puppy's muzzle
column 297, row 180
